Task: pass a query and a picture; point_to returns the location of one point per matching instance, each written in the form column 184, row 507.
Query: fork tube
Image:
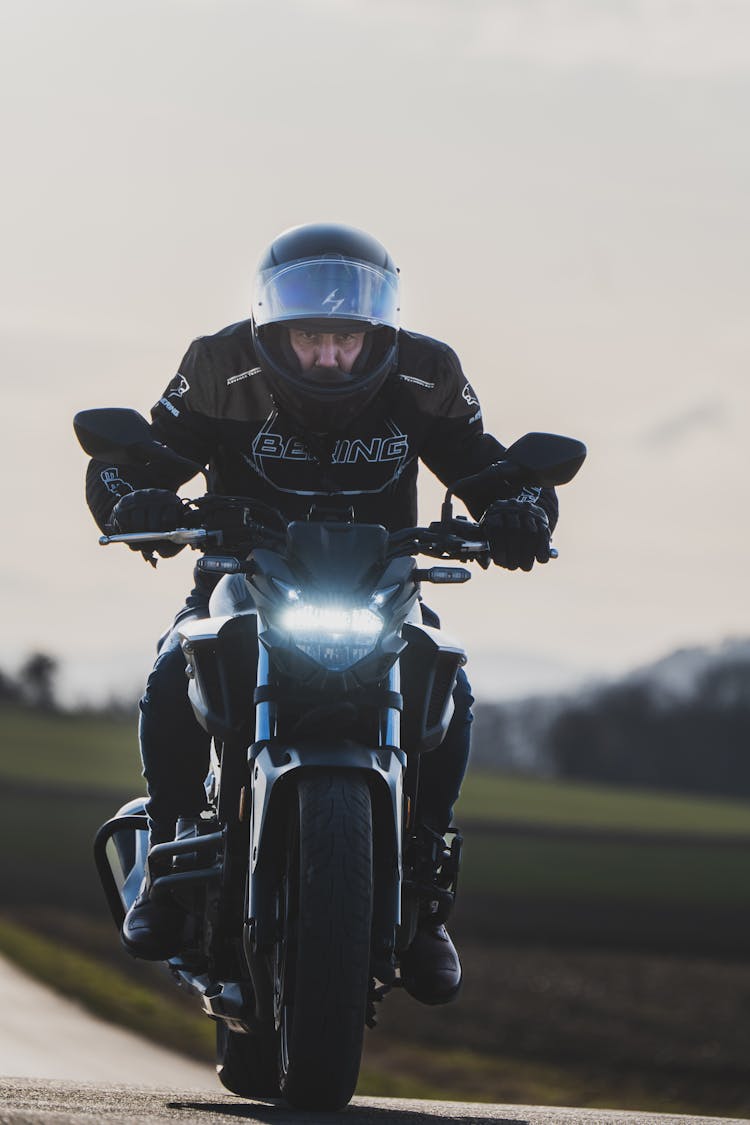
column 391, row 728
column 263, row 714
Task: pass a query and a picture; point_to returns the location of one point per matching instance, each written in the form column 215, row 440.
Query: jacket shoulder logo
column 467, row 394
column 181, row 388
column 417, row 382
column 242, row 375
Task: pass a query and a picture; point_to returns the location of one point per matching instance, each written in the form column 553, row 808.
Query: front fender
column 273, row 766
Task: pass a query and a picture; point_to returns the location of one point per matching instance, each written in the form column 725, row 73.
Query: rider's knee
column 462, row 699
column 167, row 683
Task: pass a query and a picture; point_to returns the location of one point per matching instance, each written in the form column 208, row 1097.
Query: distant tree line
column 630, row 733
column 34, row 685
column 636, row 732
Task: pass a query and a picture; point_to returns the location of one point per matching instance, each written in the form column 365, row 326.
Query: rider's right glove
column 517, row 533
column 150, row 509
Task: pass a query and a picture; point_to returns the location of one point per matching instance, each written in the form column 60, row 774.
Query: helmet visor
column 323, row 290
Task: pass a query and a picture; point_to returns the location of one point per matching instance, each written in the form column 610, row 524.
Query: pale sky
column 564, row 185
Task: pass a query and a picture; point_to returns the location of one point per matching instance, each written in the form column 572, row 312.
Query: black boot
column 152, row 930
column 430, row 968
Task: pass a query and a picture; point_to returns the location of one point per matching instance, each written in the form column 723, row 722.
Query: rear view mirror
column 535, row 460
column 125, row 437
column 549, row 459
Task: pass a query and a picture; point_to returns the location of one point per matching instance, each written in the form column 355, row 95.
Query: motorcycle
column 321, row 687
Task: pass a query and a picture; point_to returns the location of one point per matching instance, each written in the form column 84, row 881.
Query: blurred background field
column 604, row 931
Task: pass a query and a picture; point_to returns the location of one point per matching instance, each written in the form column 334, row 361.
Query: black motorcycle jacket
column 219, row 411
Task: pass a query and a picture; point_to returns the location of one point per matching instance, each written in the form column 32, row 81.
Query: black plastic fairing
column 429, row 666
column 336, row 556
column 222, row 655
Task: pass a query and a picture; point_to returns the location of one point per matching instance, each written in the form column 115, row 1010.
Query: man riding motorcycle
column 319, row 399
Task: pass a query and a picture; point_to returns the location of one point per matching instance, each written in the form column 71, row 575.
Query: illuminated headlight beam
column 332, row 622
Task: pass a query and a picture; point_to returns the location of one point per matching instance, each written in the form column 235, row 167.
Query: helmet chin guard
column 323, row 407
column 325, row 278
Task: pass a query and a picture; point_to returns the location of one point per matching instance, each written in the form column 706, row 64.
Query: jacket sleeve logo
column 469, row 397
column 114, row 483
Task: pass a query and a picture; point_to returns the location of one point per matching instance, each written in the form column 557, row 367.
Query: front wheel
column 322, row 961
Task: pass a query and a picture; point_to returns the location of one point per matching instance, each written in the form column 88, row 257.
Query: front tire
column 323, row 959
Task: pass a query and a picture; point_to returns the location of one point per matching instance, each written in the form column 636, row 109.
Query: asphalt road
column 63, row 1067
column 28, row 1102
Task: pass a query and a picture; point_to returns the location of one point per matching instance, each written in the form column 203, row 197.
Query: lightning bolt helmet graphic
column 331, row 300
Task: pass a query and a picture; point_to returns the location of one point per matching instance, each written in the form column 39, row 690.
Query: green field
column 97, row 754
column 71, row 752
column 516, row 800
column 608, row 871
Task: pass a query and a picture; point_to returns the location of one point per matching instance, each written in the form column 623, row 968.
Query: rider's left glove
column 150, row 509
column 517, row 532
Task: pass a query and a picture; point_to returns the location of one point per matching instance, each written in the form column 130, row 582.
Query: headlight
column 334, row 636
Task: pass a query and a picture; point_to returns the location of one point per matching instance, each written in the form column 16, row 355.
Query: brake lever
column 193, row 536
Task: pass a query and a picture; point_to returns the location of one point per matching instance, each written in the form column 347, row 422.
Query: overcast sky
column 564, row 185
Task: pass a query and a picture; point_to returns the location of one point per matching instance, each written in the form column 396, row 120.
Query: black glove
column 517, row 532
column 150, row 509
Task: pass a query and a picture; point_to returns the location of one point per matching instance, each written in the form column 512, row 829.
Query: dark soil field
column 584, row 1027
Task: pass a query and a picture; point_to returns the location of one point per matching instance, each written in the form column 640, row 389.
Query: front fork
column 272, row 765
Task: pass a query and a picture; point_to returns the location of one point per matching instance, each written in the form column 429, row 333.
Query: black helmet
column 325, row 277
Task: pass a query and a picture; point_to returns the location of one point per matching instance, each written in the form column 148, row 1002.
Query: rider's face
column 326, row 355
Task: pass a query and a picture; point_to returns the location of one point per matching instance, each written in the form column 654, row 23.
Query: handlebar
column 457, row 539
column 413, row 540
